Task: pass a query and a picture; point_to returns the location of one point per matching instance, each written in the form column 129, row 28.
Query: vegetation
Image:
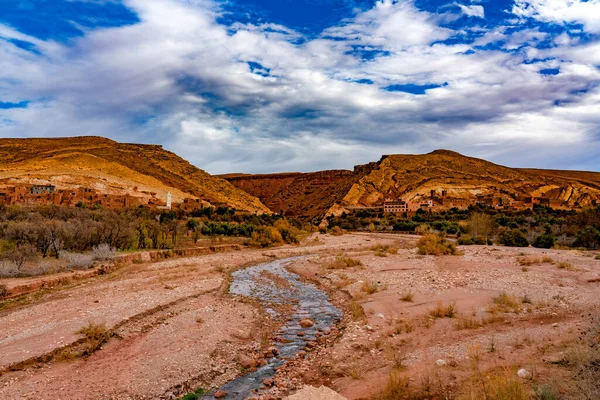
column 436, row 245
column 342, row 262
column 82, row 236
column 442, row 311
column 513, row 238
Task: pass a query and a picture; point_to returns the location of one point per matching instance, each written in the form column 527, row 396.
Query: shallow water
column 307, row 302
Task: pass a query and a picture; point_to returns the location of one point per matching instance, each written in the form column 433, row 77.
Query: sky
column 264, row 86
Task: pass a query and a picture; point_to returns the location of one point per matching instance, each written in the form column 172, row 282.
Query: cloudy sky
column 304, row 85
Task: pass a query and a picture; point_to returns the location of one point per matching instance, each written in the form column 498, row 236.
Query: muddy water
column 307, row 302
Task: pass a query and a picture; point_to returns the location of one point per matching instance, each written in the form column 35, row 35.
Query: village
column 443, row 202
column 48, row 194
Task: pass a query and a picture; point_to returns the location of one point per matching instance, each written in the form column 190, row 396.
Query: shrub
column 588, row 237
column 78, row 260
column 382, row 250
column 266, row 236
column 547, row 259
column 505, row 302
column 513, row 238
column 545, row 240
column 564, row 265
column 436, row 245
column 104, row 252
column 357, row 312
column 467, row 240
column 336, row 231
column 396, row 388
column 407, row 296
column 441, row 311
column 3, row 292
column 370, row 287
column 19, row 255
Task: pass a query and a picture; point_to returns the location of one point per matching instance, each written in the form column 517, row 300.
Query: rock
column 219, row 394
column 300, row 334
column 170, row 396
column 523, row 373
column 268, row 382
column 313, row 393
column 380, row 316
column 440, row 363
column 555, row 325
column 262, row 362
column 554, row 358
column 246, row 362
column 311, row 344
column 273, row 350
column 301, row 354
column 306, row 322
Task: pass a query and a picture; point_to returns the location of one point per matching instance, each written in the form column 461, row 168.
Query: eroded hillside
column 112, row 167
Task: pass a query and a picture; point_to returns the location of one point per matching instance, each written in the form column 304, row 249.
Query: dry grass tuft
column 382, row 250
column 441, row 311
column 505, row 302
column 528, row 260
column 472, row 322
column 565, row 265
column 407, row 296
column 547, row 260
column 343, row 262
column 357, row 312
column 370, row 287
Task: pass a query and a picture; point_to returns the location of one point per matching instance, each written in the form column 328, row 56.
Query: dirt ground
column 174, row 328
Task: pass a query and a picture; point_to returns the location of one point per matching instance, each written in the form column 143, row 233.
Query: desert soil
column 176, row 328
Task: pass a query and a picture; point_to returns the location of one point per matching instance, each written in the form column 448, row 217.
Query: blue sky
column 304, row 85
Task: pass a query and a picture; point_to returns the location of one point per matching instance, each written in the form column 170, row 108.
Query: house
column 41, row 189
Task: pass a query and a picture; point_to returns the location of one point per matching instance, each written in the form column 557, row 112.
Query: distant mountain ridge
column 115, row 168
column 412, row 178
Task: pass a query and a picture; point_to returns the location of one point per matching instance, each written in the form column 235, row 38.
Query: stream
column 307, row 302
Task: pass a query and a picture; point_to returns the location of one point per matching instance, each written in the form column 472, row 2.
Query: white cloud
column 561, row 12
column 472, row 11
column 181, row 79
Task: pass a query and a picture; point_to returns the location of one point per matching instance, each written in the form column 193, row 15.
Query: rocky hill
column 115, row 168
column 411, row 178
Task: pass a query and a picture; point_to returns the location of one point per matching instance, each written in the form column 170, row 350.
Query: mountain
column 114, row 168
column 412, row 178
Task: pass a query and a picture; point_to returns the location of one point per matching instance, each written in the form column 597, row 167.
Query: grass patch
column 195, row 394
column 432, row 244
column 443, row 311
column 547, row 260
column 525, row 269
column 94, row 336
column 343, row 262
column 597, row 257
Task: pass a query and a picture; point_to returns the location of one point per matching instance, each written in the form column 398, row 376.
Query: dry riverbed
column 173, row 326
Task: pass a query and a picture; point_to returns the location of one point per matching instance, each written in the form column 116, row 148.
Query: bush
column 588, row 237
column 3, row 292
column 104, row 252
column 336, row 231
column 513, row 238
column 544, row 241
column 78, row 261
column 436, row 245
column 470, row 240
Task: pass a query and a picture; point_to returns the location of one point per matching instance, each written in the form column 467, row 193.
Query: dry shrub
column 382, row 250
column 336, row 231
column 583, row 358
column 77, row 260
column 547, row 260
column 565, row 265
column 407, row 296
column 442, row 311
column 528, row 260
column 396, row 388
column 403, row 326
column 472, row 322
column 357, row 312
column 506, row 386
column 94, row 336
column 436, row 245
column 3, row 292
column 342, row 262
column 505, row 302
column 104, row 252
column 370, row 287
